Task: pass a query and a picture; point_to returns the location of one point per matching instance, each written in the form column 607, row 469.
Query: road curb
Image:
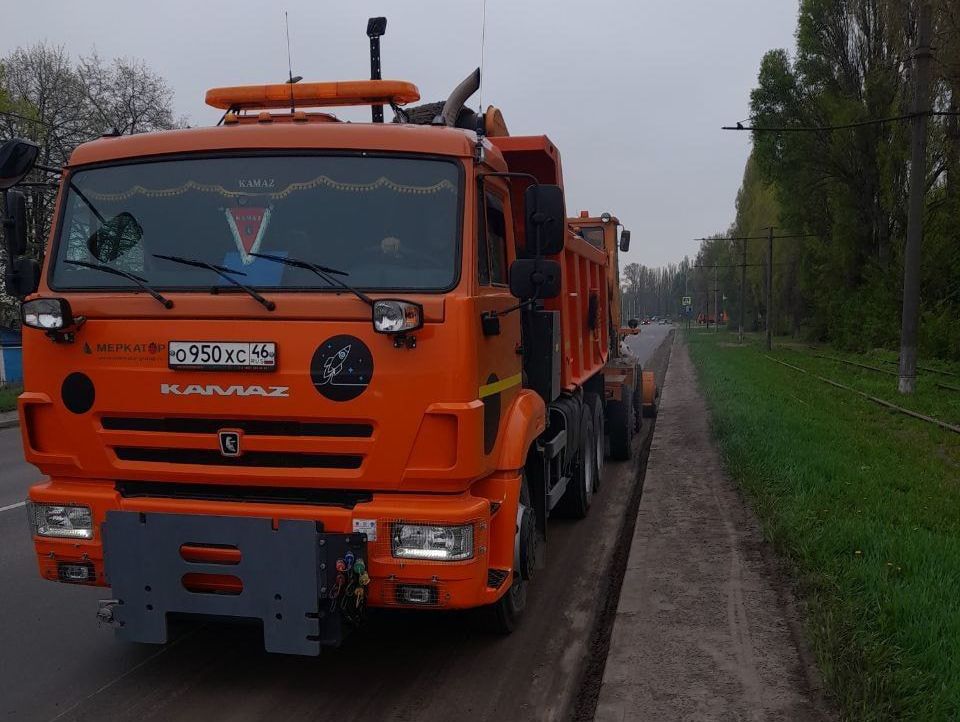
column 9, row 423
column 580, row 704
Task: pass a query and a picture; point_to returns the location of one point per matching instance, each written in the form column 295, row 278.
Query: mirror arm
column 504, row 312
column 49, row 169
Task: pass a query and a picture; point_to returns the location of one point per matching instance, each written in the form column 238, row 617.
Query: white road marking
column 163, row 650
column 13, row 506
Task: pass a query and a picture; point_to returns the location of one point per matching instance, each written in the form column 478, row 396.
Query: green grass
column 8, row 397
column 864, row 504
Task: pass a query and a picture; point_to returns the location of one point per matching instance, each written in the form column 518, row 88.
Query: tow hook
column 105, row 610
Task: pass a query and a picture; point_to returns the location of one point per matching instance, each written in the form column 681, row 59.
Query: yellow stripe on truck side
column 497, row 386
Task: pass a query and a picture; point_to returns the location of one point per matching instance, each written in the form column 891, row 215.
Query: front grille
column 263, row 459
column 496, row 577
column 253, row 427
column 224, row 492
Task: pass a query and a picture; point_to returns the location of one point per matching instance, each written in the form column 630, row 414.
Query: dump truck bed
column 583, row 300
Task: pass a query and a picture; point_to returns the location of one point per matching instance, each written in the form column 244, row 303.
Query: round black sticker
column 342, row 368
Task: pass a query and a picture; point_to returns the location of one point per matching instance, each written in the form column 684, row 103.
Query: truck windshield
column 388, row 222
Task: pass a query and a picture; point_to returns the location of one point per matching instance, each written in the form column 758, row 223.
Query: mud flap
column 285, row 574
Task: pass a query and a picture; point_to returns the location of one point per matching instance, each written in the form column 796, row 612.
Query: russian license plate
column 223, row 355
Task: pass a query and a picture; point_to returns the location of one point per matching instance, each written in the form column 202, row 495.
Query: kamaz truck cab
column 287, row 368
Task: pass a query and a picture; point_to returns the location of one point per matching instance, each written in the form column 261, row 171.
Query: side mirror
column 115, row 237
column 25, row 279
column 624, row 240
column 48, row 314
column 15, row 224
column 534, row 278
column 633, row 323
column 546, row 219
column 17, row 158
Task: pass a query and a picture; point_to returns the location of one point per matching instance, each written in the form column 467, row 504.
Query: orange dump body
column 622, row 371
column 584, row 299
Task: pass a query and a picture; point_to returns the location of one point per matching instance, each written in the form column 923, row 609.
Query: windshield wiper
column 224, row 273
column 142, row 282
column 325, row 272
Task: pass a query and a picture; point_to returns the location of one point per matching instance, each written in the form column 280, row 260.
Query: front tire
column 503, row 616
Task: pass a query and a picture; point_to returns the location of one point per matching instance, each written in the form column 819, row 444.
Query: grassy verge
column 8, row 397
column 864, row 504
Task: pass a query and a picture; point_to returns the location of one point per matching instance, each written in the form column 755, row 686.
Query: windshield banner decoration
column 248, row 224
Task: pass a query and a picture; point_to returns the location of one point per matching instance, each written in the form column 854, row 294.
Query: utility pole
column 769, row 289
column 716, row 298
column 918, row 175
column 743, row 292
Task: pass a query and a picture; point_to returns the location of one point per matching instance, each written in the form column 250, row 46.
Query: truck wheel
column 504, row 615
column 621, row 424
column 576, row 500
column 599, row 431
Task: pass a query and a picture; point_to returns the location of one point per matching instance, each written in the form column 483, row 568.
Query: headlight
column 396, row 316
column 47, row 314
column 438, row 543
column 71, row 522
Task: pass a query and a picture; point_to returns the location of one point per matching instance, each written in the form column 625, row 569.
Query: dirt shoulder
column 704, row 629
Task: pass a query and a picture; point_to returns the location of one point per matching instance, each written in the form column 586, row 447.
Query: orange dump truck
column 288, row 368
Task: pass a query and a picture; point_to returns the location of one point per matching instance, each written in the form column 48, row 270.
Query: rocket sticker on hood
column 248, row 224
column 333, row 365
column 342, row 368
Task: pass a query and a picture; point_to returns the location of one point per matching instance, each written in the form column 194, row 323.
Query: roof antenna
column 483, row 42
column 376, row 27
column 290, row 78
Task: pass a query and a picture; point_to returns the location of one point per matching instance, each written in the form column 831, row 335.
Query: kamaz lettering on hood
column 214, row 390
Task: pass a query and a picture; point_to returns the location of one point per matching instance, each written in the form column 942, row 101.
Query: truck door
column 499, row 361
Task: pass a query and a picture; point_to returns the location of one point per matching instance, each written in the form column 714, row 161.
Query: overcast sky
column 633, row 92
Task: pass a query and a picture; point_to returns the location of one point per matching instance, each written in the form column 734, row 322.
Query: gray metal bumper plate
column 281, row 571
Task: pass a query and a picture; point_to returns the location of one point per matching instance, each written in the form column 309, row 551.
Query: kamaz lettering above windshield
column 387, row 222
column 287, row 368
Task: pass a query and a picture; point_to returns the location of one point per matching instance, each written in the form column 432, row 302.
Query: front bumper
column 474, row 582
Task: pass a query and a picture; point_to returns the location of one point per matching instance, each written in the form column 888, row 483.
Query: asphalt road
column 55, row 663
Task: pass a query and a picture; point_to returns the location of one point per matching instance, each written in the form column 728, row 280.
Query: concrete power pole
column 716, row 298
column 918, row 175
column 743, row 290
column 770, row 289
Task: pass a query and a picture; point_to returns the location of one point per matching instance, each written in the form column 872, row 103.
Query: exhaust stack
column 453, row 106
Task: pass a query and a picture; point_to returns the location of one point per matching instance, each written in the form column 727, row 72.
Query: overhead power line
column 844, row 126
column 760, row 238
column 26, row 118
column 742, row 265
